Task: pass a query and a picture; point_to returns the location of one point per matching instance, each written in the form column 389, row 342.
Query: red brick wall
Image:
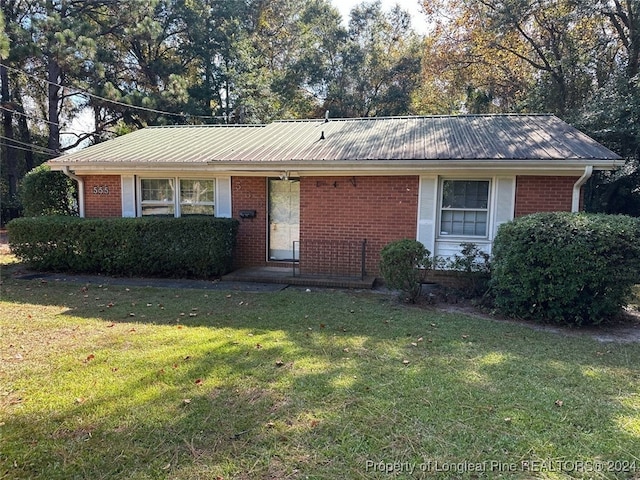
column 378, row 209
column 250, row 193
column 543, row 194
column 97, row 202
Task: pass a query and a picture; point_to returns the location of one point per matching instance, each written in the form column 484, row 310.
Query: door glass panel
column 284, row 219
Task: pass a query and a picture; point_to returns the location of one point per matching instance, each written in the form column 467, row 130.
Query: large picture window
column 465, row 207
column 177, row 197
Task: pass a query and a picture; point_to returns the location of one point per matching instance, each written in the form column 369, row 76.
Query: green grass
column 120, row 382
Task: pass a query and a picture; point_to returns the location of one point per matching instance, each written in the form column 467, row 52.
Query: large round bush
column 44, row 192
column 570, row 268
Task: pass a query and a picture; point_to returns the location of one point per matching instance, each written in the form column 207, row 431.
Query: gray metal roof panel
column 464, row 137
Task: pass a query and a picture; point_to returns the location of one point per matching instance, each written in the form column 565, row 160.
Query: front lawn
column 121, row 382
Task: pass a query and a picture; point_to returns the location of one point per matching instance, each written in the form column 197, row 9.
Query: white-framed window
column 197, row 197
column 177, row 197
column 158, row 196
column 464, row 208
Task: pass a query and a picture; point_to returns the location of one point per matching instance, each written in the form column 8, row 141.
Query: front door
column 284, row 219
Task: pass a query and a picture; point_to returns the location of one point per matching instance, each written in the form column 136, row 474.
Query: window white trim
column 488, row 211
column 201, row 203
column 174, row 206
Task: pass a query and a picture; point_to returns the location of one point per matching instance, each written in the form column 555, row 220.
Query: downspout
column 575, row 200
column 80, row 181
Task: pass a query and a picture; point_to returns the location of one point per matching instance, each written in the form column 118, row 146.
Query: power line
column 32, row 148
column 16, row 112
column 69, row 132
column 27, row 144
column 79, row 91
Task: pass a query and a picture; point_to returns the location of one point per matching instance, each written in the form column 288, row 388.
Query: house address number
column 101, row 190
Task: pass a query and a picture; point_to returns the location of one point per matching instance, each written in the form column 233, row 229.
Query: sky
column 412, row 6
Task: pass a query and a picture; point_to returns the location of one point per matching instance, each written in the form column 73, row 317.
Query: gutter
column 575, row 200
column 80, row 181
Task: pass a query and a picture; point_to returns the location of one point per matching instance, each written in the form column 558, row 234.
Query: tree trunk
column 9, row 153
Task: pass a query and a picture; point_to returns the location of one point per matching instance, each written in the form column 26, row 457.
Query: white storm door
column 284, row 219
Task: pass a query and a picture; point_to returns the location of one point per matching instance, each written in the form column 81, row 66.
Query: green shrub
column 471, row 260
column 171, row 247
column 568, row 268
column 402, row 265
column 467, row 272
column 43, row 192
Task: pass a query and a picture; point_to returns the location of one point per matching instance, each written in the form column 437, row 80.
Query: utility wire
column 27, row 144
column 69, row 132
column 16, row 112
column 79, row 91
column 29, row 148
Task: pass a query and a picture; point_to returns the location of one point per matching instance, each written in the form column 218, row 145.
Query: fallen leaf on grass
column 90, row 357
column 199, row 381
column 186, row 401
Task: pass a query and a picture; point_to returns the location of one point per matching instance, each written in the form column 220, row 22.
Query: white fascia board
column 346, row 168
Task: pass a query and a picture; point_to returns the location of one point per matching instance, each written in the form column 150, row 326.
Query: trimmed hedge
column 567, row 268
column 402, row 265
column 199, row 247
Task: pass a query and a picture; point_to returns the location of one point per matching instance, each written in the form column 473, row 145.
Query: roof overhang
column 359, row 167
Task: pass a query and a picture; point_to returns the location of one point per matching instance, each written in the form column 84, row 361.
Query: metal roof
column 442, row 138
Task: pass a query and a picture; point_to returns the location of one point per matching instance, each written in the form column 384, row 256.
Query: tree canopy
column 127, row 64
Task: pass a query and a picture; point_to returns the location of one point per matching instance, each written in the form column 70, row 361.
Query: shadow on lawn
column 294, row 383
